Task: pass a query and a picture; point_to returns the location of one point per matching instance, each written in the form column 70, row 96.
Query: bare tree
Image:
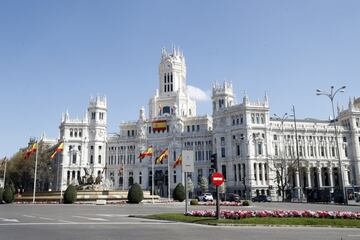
column 204, row 186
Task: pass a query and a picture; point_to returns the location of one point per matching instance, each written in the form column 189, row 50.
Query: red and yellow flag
column 147, row 152
column 178, row 161
column 30, row 151
column 164, row 154
column 59, row 149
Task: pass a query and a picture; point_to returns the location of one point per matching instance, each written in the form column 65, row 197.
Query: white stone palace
column 254, row 150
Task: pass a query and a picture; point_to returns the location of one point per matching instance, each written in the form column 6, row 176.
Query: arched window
column 71, row 132
column 166, row 109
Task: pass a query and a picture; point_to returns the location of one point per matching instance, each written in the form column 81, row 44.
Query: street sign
column 188, row 161
column 217, row 179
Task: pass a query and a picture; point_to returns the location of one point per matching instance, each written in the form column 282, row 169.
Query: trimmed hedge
column 194, row 202
column 135, row 194
column 8, row 195
column 179, row 193
column 70, row 195
column 246, row 203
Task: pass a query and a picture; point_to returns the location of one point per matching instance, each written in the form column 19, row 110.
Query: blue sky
column 55, row 54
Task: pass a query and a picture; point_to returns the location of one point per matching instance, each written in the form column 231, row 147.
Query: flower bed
column 277, row 214
column 230, row 204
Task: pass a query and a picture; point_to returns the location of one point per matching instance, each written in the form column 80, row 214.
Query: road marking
column 353, row 235
column 65, row 221
column 92, row 219
column 112, row 215
column 87, row 223
column 45, row 218
column 8, row 220
column 29, row 216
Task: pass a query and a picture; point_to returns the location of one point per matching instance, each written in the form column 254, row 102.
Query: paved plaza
column 91, row 222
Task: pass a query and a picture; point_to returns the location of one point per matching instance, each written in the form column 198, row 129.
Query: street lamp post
column 331, row 95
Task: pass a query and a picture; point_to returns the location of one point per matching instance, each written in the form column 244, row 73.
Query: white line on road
column 91, row 219
column 45, row 218
column 87, row 223
column 112, row 215
column 8, row 220
column 29, row 216
column 353, row 235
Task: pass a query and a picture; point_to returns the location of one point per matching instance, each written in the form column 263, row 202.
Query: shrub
column 135, row 194
column 8, row 195
column 194, row 202
column 246, row 203
column 70, row 194
column 1, row 194
column 179, row 193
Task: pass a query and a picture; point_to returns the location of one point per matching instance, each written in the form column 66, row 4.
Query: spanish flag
column 178, row 161
column 147, row 152
column 30, row 150
column 162, row 156
column 59, row 149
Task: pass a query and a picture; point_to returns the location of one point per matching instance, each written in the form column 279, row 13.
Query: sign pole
column 217, row 179
column 217, row 203
column 186, row 194
column 152, row 178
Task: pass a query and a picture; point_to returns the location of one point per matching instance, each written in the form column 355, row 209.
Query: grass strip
column 321, row 222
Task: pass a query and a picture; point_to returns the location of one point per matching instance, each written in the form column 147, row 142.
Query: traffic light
column 213, row 159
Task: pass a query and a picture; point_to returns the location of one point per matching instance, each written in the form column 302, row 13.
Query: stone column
column 308, row 172
column 257, row 173
column 331, row 178
column 263, row 173
column 346, row 177
column 319, row 177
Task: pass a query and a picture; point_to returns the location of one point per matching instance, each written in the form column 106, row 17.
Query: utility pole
column 299, row 197
column 331, row 95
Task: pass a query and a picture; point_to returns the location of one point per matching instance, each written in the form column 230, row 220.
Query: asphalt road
column 91, row 222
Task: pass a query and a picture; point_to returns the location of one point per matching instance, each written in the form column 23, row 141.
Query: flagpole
column 61, row 179
column 168, row 160
column 152, row 178
column 36, row 160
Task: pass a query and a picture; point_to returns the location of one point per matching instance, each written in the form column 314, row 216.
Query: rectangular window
column 99, row 159
column 235, row 176
column 238, row 150
column 188, row 128
column 223, row 170
column 74, row 158
column 223, row 152
column 344, row 139
column 255, row 178
column 346, row 151
column 197, row 128
column 275, row 137
column 193, row 128
column 260, row 148
column 91, row 159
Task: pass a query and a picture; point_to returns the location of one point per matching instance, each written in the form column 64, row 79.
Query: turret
column 172, row 72
column 222, row 96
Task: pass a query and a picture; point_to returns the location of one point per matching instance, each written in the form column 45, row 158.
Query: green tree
column 179, row 193
column 70, row 194
column 8, row 195
column 135, row 194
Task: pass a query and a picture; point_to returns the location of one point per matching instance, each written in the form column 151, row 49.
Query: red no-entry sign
column 217, row 179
